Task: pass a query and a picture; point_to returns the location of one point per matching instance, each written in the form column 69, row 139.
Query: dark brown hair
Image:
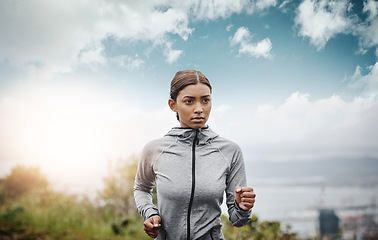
column 185, row 78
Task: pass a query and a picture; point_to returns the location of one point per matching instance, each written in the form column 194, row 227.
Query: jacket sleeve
column 236, row 177
column 144, row 183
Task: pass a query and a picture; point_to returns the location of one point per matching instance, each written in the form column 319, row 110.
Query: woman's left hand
column 245, row 197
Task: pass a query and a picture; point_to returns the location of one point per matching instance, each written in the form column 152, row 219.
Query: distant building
column 328, row 224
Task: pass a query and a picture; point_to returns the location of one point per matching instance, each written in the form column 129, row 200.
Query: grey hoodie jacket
column 192, row 168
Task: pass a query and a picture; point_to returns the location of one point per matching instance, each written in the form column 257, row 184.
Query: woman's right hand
column 152, row 225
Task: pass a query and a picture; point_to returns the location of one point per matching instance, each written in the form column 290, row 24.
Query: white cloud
column 262, row 4
column 128, row 62
column 301, row 129
column 261, row 49
column 93, row 55
column 171, row 54
column 321, row 20
column 366, row 85
column 228, row 28
column 371, row 7
column 369, row 29
column 242, row 37
column 211, row 10
column 58, row 36
column 284, row 3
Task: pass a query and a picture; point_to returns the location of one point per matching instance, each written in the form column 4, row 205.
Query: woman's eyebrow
column 205, row 96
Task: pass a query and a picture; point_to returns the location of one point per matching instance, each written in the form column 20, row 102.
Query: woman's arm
column 144, row 184
column 240, row 200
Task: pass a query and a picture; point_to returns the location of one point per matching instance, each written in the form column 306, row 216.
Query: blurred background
column 84, row 86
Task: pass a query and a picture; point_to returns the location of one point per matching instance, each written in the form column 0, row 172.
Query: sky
column 83, row 83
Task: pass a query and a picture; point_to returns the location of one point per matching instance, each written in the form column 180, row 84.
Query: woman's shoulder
column 228, row 149
column 226, row 144
column 157, row 144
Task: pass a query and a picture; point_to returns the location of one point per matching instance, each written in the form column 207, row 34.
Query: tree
column 254, row 230
column 23, row 180
column 118, row 190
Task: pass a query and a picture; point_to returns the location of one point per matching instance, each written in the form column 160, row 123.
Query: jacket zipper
column 211, row 234
column 195, row 142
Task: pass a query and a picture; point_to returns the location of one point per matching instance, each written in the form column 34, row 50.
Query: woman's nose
column 198, row 108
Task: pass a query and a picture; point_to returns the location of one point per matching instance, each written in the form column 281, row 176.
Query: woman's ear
column 172, row 104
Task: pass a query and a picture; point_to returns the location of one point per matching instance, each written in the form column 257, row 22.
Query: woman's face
column 193, row 105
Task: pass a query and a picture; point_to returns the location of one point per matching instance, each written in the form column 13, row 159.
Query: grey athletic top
column 192, row 168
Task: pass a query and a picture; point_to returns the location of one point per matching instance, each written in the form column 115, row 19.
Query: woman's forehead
column 198, row 89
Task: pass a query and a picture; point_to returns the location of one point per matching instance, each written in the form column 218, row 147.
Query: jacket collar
column 187, row 135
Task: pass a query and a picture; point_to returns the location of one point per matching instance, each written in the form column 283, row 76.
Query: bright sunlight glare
column 71, row 130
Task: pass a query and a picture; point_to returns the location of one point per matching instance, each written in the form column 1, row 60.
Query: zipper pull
column 197, row 138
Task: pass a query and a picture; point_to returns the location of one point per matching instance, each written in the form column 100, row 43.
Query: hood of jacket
column 186, row 135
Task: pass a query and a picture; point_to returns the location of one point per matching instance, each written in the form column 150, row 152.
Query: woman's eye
column 188, row 101
column 206, row 100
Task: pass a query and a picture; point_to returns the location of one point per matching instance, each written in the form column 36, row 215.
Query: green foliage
column 29, row 210
column 117, row 193
column 46, row 214
column 23, row 180
column 129, row 226
column 255, row 230
column 58, row 216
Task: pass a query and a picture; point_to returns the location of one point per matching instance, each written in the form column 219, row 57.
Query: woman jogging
column 192, row 168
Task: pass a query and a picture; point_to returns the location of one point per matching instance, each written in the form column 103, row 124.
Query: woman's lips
column 198, row 119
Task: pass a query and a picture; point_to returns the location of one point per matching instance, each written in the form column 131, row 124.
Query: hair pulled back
column 185, row 78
